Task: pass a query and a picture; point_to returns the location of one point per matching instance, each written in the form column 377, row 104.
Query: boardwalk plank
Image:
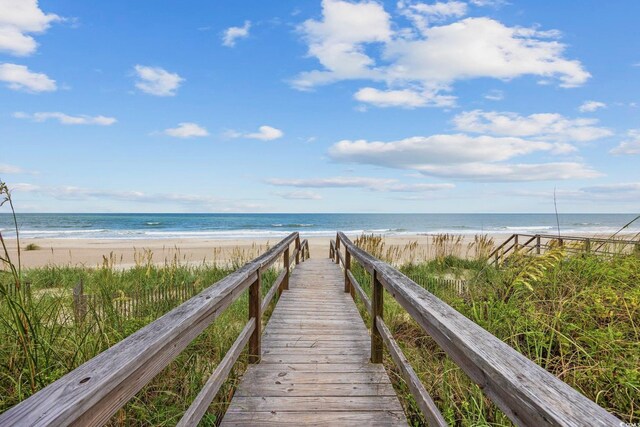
column 315, row 368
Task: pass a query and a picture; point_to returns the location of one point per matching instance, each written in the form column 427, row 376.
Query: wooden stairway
column 315, row 367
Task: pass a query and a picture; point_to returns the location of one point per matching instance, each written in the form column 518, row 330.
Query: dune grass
column 576, row 316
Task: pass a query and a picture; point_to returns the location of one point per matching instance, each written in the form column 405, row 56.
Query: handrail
column 90, row 394
column 500, row 253
column 525, row 392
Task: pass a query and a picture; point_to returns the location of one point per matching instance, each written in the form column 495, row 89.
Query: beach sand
column 92, row 252
column 123, row 253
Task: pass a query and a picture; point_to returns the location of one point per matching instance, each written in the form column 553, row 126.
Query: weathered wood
column 255, row 312
column 287, row 269
column 314, row 403
column 347, row 267
column 361, row 294
column 377, row 307
column 420, row 394
column 297, row 250
column 272, row 291
column 315, row 358
column 93, row 392
column 218, row 377
column 316, row 418
column 527, row 393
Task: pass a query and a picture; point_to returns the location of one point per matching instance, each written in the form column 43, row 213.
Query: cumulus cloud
column 405, row 98
column 265, row 133
column 374, row 184
column 461, row 156
column 359, row 41
column 436, row 149
column 19, row 77
column 422, row 14
column 18, row 19
column 232, row 34
column 591, row 106
column 66, row 119
column 630, row 146
column 186, row 130
column 157, row 81
column 546, row 126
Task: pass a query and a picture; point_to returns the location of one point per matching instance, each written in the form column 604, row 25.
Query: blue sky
column 320, row 106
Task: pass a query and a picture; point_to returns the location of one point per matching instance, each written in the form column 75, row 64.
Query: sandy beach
column 92, row 252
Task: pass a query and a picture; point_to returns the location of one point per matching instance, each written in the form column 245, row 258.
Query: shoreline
column 125, row 253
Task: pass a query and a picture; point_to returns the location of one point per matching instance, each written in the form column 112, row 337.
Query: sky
column 320, row 106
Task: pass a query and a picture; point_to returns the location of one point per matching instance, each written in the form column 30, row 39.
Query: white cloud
column 591, row 106
column 500, row 172
column 357, row 41
column 75, row 193
column 66, row 119
column 231, row 34
column 494, row 95
column 19, row 77
column 489, row 3
column 374, row 184
column 300, row 195
column 460, row 156
column 18, row 18
column 545, row 126
column 265, row 133
column 405, row 98
column 7, row 169
column 157, row 81
column 338, row 41
column 421, row 14
column 186, row 130
column 413, row 152
column 630, row 146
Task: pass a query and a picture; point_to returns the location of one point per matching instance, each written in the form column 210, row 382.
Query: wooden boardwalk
column 315, row 367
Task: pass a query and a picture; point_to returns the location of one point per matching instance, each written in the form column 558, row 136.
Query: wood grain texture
column 92, row 393
column 218, row 377
column 315, row 367
column 527, row 393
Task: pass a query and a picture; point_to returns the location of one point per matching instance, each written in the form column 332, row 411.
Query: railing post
column 538, row 244
column 337, row 249
column 285, row 281
column 347, row 266
column 377, row 304
column 515, row 245
column 587, row 245
column 297, row 250
column 255, row 300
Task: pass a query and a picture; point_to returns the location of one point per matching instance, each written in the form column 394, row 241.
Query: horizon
column 323, row 107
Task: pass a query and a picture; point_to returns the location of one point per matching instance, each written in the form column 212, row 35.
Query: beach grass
column 578, row 316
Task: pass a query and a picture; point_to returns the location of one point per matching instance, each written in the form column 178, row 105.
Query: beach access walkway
column 315, row 367
column 315, row 363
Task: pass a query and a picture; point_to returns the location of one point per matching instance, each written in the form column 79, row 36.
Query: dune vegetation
column 578, row 316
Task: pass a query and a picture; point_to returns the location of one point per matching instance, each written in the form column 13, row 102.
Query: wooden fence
column 130, row 304
column 525, row 392
column 539, row 243
column 92, row 393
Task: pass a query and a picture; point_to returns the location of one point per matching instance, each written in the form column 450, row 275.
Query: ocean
column 234, row 226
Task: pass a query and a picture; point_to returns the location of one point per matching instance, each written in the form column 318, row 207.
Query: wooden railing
column 539, row 243
column 92, row 393
column 525, row 392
